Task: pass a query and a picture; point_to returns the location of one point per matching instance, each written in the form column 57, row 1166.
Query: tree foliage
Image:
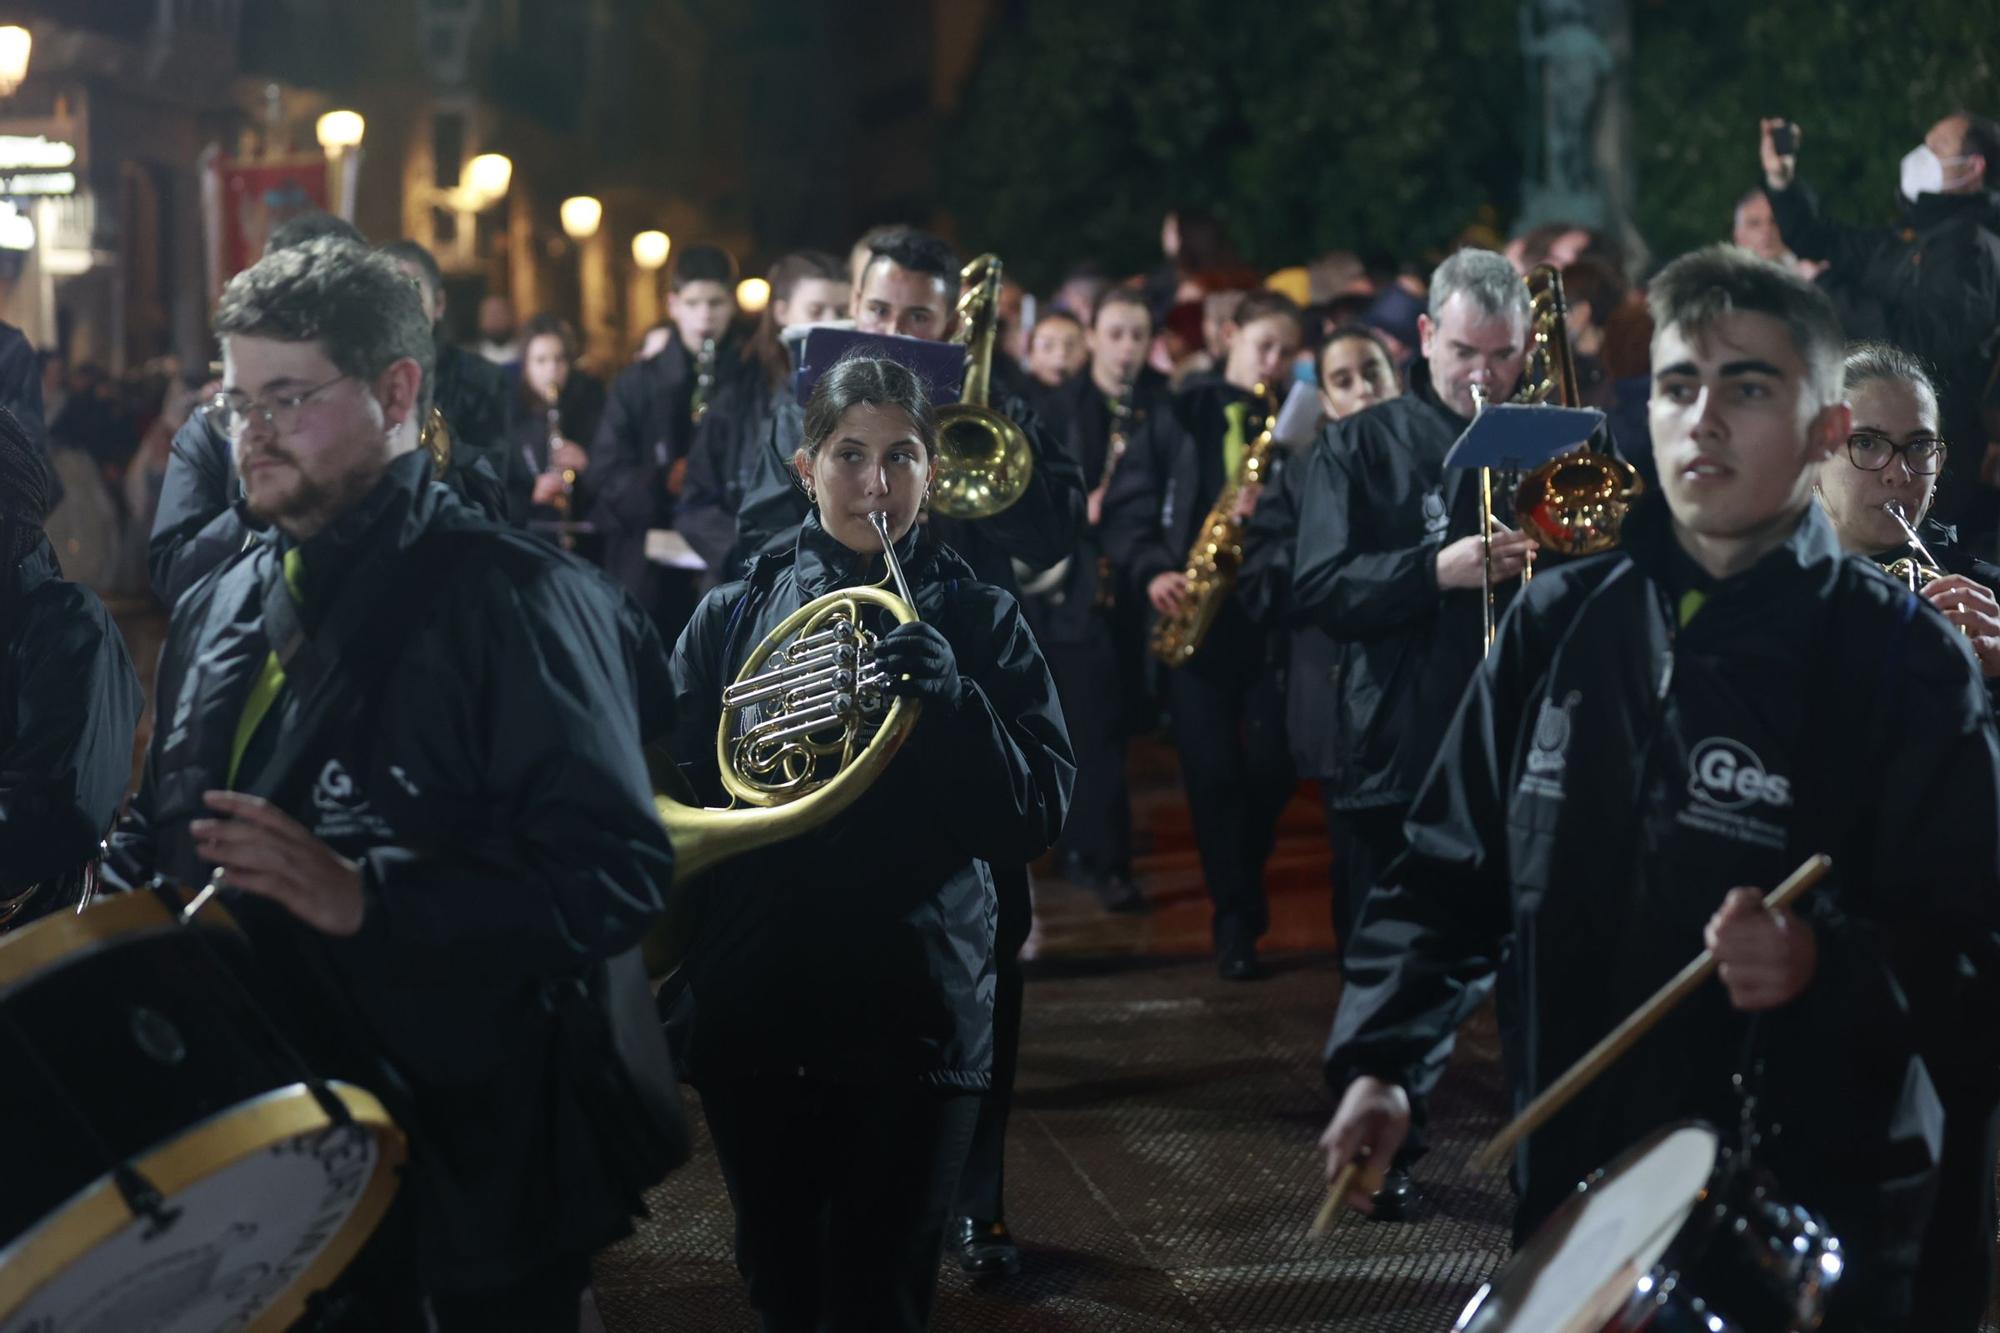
column 1306, row 128
column 1387, row 129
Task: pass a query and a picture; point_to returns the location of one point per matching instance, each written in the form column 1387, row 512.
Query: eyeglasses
column 233, row 411
column 1871, row 452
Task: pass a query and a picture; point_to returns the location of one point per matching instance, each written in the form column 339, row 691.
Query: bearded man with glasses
column 404, row 742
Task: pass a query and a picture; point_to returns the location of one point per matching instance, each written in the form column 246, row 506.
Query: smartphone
column 1785, row 139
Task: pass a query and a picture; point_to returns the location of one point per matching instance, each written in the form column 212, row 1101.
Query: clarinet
column 1122, row 419
column 564, row 536
column 704, row 379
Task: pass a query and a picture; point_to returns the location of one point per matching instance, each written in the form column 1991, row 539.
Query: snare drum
column 1676, row 1236
column 170, row 1164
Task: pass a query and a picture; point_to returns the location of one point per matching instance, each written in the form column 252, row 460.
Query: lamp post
column 752, row 295
column 339, row 134
column 15, row 45
column 582, row 218
column 649, row 255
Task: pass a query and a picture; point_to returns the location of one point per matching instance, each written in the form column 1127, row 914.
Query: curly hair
column 359, row 307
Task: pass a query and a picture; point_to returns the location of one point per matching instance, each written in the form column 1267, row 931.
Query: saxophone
column 1217, row 554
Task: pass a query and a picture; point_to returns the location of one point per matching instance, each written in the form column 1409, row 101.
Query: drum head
column 1577, row 1271
column 263, row 1204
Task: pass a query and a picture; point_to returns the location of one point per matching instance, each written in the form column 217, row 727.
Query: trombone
column 984, row 459
column 1576, row 502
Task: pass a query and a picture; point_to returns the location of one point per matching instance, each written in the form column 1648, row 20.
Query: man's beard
column 310, row 505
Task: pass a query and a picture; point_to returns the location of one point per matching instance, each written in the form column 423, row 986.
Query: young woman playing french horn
column 837, row 1009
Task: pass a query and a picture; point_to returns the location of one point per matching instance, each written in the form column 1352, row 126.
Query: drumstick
column 1636, row 1025
column 1341, row 1184
column 200, row 900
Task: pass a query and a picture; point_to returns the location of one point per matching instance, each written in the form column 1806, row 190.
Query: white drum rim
column 98, row 1212
column 1495, row 1286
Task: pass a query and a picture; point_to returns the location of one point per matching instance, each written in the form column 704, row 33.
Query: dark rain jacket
column 1376, row 506
column 1612, row 775
column 648, row 427
column 69, row 703
column 1039, row 529
column 493, row 785
column 21, row 385
column 1072, row 611
column 1931, row 286
column 863, row 950
column 720, row 471
column 579, row 407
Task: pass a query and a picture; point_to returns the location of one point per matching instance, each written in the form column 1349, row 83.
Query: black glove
column 919, row 662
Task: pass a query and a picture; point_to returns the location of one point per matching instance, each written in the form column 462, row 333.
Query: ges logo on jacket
column 1733, row 795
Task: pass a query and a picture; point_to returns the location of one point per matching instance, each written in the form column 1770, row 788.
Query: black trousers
column 841, row 1192
column 382, row 1292
column 1228, row 707
column 982, row 1187
column 1099, row 829
column 1371, row 840
column 1955, row 1273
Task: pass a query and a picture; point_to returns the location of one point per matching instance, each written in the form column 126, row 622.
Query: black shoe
column 985, row 1249
column 1394, row 1199
column 1240, row 964
column 1117, row 893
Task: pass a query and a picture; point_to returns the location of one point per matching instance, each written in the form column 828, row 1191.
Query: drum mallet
column 1641, row 1021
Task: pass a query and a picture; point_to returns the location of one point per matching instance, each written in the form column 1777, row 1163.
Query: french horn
column 807, row 726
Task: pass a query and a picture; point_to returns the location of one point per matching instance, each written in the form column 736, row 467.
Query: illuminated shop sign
column 37, row 182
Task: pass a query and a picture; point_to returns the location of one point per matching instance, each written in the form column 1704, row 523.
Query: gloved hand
column 919, row 662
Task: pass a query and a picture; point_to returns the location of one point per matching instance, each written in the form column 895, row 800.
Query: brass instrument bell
column 984, row 460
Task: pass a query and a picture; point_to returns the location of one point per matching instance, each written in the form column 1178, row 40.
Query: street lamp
column 580, row 215
column 649, row 249
column 15, row 43
column 752, row 295
column 485, row 178
column 339, row 133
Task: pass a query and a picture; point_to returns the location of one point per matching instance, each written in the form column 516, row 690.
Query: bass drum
column 1676, row 1236
column 172, row 1165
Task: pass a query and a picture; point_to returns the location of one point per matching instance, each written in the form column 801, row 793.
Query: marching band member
column 648, row 428
column 909, row 285
column 1355, row 371
column 1655, row 731
column 69, row 703
column 838, row 1006
column 1227, row 701
column 409, row 739
column 807, row 287
column 1893, row 454
column 1094, row 638
column 559, row 406
column 1387, row 564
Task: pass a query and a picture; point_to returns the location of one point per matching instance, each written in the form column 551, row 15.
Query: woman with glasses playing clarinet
column 837, row 1011
column 1879, row 491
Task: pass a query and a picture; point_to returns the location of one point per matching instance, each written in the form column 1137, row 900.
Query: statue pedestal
column 1550, row 203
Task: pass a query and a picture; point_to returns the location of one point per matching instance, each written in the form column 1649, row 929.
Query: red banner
column 256, row 197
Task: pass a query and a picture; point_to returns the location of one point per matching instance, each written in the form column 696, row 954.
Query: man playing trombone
column 1389, row 564
column 1662, row 726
